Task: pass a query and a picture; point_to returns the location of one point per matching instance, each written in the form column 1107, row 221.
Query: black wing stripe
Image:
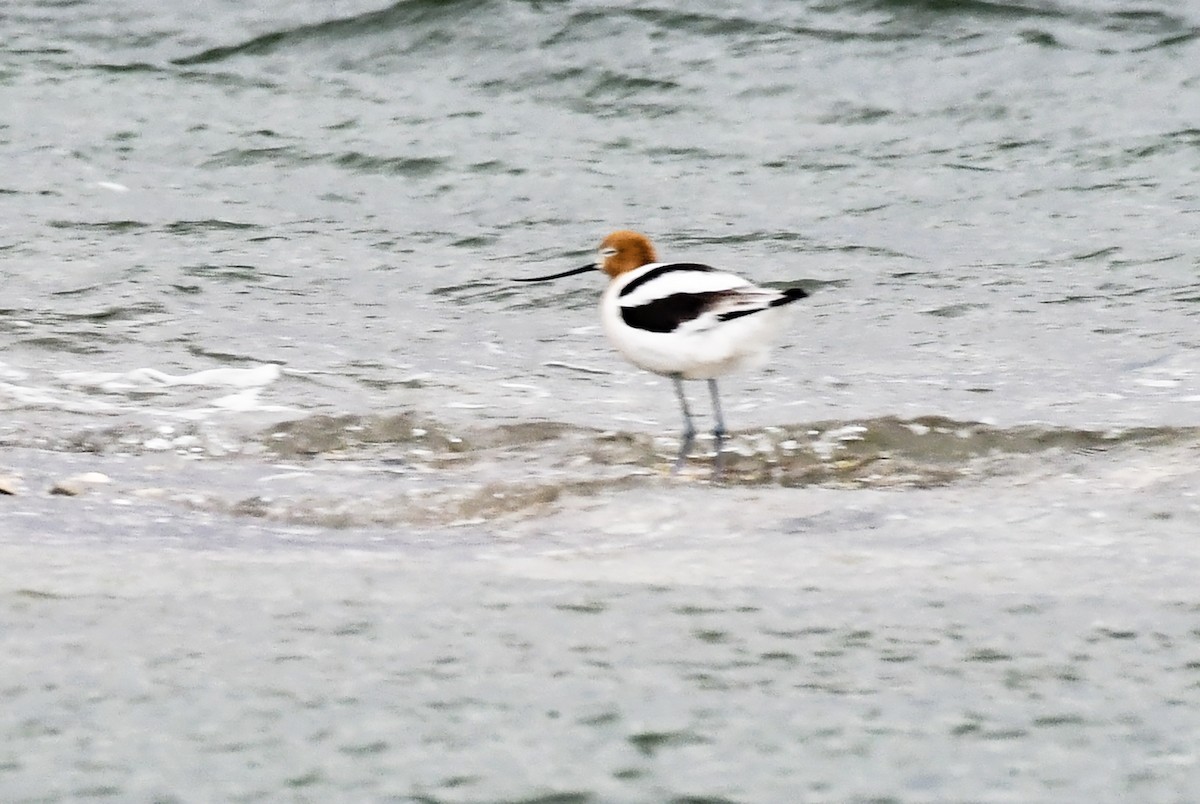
column 732, row 314
column 669, row 312
column 655, row 273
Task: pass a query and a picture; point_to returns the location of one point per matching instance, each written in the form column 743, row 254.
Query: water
column 381, row 524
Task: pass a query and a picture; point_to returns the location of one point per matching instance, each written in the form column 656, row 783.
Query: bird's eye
column 608, row 252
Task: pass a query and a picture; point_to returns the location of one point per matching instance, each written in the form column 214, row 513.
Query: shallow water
column 823, row 647
column 255, row 271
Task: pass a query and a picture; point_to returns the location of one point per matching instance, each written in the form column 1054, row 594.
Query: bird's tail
column 789, row 295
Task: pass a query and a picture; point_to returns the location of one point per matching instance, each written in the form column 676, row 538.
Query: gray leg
column 689, row 429
column 718, row 430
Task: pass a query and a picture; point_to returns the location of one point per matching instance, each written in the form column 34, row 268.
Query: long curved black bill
column 572, row 272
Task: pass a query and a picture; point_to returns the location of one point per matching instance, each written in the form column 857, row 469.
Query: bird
column 683, row 320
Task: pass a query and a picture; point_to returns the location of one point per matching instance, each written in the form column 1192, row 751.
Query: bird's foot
column 718, row 456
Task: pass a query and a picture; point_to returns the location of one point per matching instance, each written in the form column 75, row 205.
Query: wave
column 882, row 451
column 405, row 469
column 399, row 16
column 1165, row 29
column 426, row 24
column 430, row 22
column 885, row 451
column 821, row 449
column 183, row 227
column 415, row 167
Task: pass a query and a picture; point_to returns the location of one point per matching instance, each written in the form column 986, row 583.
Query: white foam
column 34, row 397
column 149, row 379
column 245, row 402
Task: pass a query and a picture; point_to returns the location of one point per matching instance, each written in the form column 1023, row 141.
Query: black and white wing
column 693, row 298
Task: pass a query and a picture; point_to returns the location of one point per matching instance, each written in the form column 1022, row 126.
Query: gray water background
column 381, row 525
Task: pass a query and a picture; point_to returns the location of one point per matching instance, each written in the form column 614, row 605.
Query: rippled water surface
column 307, row 500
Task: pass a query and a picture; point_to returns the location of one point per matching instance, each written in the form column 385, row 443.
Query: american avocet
column 683, row 320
